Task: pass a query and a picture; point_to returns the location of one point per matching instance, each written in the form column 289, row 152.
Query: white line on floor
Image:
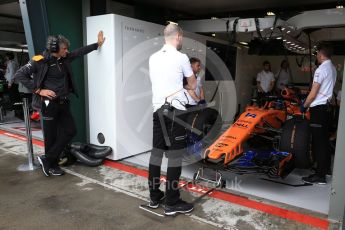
column 117, row 189
column 11, row 151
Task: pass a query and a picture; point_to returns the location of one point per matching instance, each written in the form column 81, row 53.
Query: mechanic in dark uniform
column 318, row 103
column 52, row 82
column 167, row 68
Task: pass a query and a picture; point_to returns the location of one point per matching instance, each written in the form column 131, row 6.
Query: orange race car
column 278, row 121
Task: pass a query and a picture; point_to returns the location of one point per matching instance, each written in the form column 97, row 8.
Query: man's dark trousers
column 319, row 123
column 58, row 128
column 177, row 135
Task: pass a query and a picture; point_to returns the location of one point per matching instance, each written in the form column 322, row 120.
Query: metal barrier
column 31, row 163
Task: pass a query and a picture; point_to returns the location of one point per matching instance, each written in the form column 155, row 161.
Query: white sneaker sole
column 153, row 206
column 175, row 212
column 315, row 183
column 57, row 174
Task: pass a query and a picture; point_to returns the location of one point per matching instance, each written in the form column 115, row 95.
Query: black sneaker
column 180, row 207
column 155, row 204
column 43, row 162
column 56, row 171
column 314, row 179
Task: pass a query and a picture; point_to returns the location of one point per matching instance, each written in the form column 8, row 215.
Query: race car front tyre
column 295, row 139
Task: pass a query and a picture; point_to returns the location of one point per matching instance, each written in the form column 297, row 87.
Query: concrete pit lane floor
column 108, row 198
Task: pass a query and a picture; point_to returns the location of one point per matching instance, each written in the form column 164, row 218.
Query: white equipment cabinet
column 119, row 87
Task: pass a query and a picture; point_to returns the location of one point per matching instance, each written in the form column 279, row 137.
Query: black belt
column 322, row 105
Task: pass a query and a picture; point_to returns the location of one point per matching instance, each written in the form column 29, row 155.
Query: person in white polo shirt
column 196, row 96
column 283, row 76
column 265, row 81
column 318, row 104
column 167, row 68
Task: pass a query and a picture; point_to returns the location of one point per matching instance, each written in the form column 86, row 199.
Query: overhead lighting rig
column 287, row 34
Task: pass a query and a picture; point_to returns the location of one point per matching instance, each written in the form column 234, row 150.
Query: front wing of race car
column 230, row 144
column 274, row 164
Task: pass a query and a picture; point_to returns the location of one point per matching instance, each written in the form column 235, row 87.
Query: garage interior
column 213, row 22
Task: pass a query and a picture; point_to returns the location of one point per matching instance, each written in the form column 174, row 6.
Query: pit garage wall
column 50, row 17
column 65, row 17
column 248, row 66
column 337, row 201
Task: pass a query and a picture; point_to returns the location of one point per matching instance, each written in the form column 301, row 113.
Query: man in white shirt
column 318, row 102
column 196, row 96
column 265, row 81
column 167, row 68
column 283, row 76
column 11, row 68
